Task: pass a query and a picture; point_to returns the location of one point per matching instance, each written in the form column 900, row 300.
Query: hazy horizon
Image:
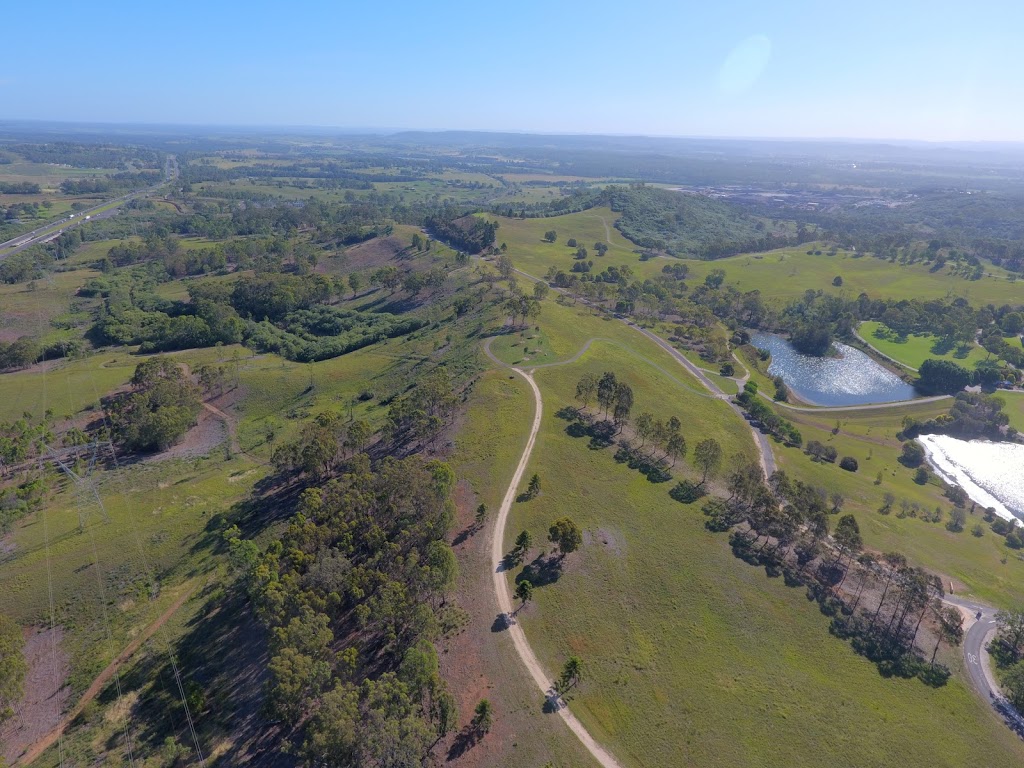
column 913, row 71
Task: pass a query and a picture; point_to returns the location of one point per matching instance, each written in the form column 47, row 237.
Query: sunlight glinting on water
column 851, row 379
column 990, row 473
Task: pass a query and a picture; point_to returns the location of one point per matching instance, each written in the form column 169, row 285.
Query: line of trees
column 783, row 524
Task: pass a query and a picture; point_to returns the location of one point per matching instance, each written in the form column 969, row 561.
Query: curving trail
column 522, row 646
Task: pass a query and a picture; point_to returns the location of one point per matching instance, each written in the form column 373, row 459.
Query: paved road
column 868, row 407
column 979, row 633
column 54, row 228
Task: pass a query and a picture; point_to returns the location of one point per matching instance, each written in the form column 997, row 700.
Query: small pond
column 853, row 378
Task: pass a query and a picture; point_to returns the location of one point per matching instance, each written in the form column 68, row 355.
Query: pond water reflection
column 851, row 379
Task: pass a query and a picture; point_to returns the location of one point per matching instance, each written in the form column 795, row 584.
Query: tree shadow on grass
column 541, row 572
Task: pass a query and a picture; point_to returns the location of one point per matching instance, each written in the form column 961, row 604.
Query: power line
column 150, row 573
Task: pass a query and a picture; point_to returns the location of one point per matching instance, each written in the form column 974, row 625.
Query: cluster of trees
column 419, row 415
column 322, row 446
column 21, row 441
column 650, row 434
column 114, row 183
column 322, row 333
column 1008, row 650
column 614, row 397
column 352, row 595
column 19, row 188
column 19, row 353
column 972, row 415
column 160, row 407
column 690, row 225
column 784, row 524
column 88, row 155
column 942, row 377
column 766, row 418
column 29, row 264
column 468, row 233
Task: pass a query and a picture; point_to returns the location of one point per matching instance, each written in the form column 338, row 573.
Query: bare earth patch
column 209, row 432
column 375, row 253
column 604, row 537
column 46, row 693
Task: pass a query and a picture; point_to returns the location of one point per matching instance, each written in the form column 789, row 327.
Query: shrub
column 912, row 454
column 848, row 463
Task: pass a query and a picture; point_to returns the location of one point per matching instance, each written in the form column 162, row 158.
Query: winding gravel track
column 522, row 646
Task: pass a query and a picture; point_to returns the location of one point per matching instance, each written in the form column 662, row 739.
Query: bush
column 912, row 454
column 921, row 476
column 848, row 463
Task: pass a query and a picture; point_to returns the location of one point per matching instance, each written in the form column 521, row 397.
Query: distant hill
column 690, row 225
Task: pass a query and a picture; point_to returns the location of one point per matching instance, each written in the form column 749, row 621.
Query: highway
column 102, row 211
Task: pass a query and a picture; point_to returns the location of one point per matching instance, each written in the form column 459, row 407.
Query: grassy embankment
column 975, row 563
column 480, row 663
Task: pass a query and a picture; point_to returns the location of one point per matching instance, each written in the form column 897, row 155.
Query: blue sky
column 899, row 69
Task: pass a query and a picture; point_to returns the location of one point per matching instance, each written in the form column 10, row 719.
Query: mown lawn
column 917, row 348
column 695, row 658
column 1014, row 408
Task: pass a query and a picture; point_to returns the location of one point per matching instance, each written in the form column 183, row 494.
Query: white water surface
column 992, row 474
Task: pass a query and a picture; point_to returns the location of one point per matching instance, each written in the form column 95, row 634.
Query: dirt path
column 523, row 648
column 47, row 741
column 764, row 449
column 229, row 425
column 607, row 231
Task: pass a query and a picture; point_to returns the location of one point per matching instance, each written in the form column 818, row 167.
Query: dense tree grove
column 469, row 233
column 972, row 415
column 689, row 225
column 352, row 595
column 160, row 407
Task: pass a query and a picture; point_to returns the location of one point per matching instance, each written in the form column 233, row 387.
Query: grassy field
column 29, row 309
column 694, row 657
column 782, row 274
column 479, row 662
column 787, row 273
column 975, row 564
column 530, row 252
column 1014, row 408
column 917, row 348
